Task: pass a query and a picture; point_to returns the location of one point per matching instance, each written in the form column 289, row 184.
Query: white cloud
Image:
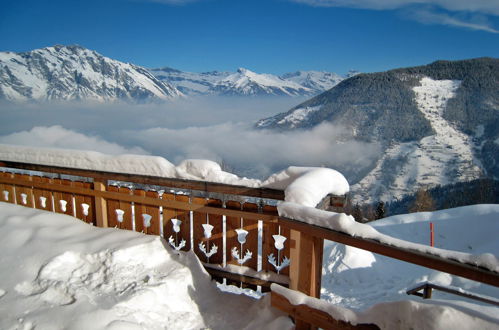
column 255, row 152
column 442, row 12
column 211, row 128
column 61, row 138
column 479, row 23
column 483, row 6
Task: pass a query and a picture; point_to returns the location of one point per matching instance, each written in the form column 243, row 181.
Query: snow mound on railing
column 89, row 160
column 308, row 185
column 302, row 185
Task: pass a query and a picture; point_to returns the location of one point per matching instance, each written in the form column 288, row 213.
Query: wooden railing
column 428, row 287
column 233, row 230
column 228, row 227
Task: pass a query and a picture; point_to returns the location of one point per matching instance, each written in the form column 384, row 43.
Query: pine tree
column 357, row 213
column 380, row 211
column 423, row 202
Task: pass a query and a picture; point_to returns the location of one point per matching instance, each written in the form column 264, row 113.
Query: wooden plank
column 145, row 200
column 237, row 279
column 313, row 316
column 468, row 271
column 7, row 189
column 216, row 238
column 24, row 194
column 316, row 268
column 112, row 206
column 152, row 180
column 231, row 224
column 43, row 198
column 428, row 286
column 63, row 202
column 251, row 244
column 140, row 209
column 84, row 205
column 100, row 205
column 269, row 230
column 117, row 219
column 198, row 219
column 184, row 229
column 153, row 211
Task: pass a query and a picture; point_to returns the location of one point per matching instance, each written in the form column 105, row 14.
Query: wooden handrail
column 427, row 287
column 210, row 187
column 469, row 271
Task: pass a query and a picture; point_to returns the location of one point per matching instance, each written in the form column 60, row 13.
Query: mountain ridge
column 436, row 123
column 75, row 73
column 245, row 82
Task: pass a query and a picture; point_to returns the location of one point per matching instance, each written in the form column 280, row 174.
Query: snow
column 60, row 273
column 304, row 185
column 347, row 224
column 62, row 63
column 358, row 279
column 247, row 82
column 308, row 185
column 318, row 81
column 296, row 117
column 363, row 287
column 438, row 159
column 393, row 315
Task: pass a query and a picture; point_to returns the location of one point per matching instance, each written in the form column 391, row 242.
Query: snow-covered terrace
column 244, row 238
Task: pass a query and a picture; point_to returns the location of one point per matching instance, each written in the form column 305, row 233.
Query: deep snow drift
column 59, row 273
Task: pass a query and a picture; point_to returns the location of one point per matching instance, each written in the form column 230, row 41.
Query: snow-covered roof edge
column 302, row 185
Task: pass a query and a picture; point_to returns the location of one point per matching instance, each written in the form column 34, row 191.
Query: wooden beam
column 100, row 205
column 241, row 278
column 312, row 316
column 428, row 286
column 210, row 187
column 468, row 271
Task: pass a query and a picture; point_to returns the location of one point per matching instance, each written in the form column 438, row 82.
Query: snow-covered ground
column 60, row 273
column 57, row 272
column 437, row 159
column 358, row 279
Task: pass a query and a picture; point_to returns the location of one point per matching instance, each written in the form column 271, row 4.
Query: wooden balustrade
column 227, row 236
column 220, row 232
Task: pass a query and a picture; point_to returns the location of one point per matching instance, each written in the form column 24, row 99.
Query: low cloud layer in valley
column 219, row 129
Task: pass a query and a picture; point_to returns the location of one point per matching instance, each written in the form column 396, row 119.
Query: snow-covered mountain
column 244, row 82
column 436, row 124
column 190, row 83
column 316, row 81
column 76, row 73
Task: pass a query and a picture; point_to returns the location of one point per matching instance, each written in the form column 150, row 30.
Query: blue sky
column 273, row 36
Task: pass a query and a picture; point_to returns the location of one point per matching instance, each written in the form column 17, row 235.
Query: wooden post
column 427, row 291
column 306, row 267
column 100, row 205
column 306, row 263
column 432, row 237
